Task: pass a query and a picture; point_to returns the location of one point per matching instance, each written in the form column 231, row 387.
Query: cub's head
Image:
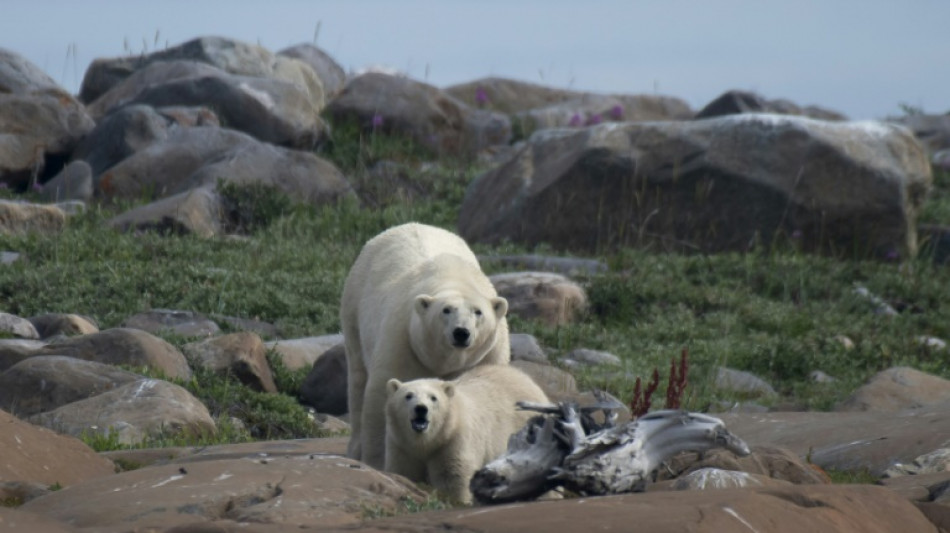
column 420, row 407
column 457, row 327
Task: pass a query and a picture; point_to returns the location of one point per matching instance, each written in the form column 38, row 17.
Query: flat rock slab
column 849, row 440
column 311, row 490
column 260, row 449
column 792, row 509
column 32, row 453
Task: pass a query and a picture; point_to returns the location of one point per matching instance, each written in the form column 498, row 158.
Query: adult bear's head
column 452, row 331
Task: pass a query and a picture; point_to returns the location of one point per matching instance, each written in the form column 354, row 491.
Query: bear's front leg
column 404, row 463
column 451, row 477
column 373, row 431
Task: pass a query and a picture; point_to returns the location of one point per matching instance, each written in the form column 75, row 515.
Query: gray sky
column 860, row 57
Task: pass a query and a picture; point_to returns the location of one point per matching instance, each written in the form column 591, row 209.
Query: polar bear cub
column 442, row 432
column 415, row 304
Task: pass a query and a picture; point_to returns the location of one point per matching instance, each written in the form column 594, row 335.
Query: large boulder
column 932, row 130
column 44, row 383
column 385, row 103
column 31, row 453
column 124, row 132
column 232, row 56
column 549, row 298
column 516, row 97
column 133, row 413
column 271, row 110
column 38, row 119
column 328, row 70
column 896, row 389
column 193, row 157
column 199, row 212
column 124, row 346
column 592, row 109
column 324, row 388
column 709, row 185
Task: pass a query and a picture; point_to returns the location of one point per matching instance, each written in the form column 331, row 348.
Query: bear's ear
column 393, row 385
column 423, row 301
column 449, row 389
column 500, row 305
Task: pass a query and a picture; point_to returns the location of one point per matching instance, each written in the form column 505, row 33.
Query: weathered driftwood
column 566, row 447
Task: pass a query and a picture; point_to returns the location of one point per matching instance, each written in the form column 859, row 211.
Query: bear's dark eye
column 446, row 310
column 409, row 396
column 478, row 312
column 434, row 399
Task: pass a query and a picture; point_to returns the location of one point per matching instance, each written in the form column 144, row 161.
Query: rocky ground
column 174, row 129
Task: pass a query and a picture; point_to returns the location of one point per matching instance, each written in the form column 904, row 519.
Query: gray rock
column 234, row 57
column 897, row 389
column 12, row 351
column 44, row 383
column 324, row 388
column 8, row 258
column 304, row 352
column 743, row 383
column 193, row 157
column 328, row 70
column 394, row 104
column 18, row 327
column 132, row 413
column 711, row 185
column 20, row 76
column 182, row 323
column 34, row 126
column 586, row 357
column 241, row 355
column 556, row 383
column 736, row 102
column 934, row 462
column 932, row 130
column 74, row 182
column 818, row 376
column 848, row 441
column 199, row 211
column 525, row 347
column 514, row 96
column 124, row 346
column 119, row 135
column 549, row 298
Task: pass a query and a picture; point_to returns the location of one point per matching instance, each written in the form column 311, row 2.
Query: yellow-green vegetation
column 774, row 312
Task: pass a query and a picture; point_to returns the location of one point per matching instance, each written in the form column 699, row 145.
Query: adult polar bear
column 416, row 304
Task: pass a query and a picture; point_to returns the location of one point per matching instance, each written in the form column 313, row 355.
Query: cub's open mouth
column 419, row 424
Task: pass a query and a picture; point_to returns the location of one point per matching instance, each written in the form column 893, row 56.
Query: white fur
column 409, row 291
column 469, row 422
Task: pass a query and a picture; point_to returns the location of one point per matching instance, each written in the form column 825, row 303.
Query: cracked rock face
column 292, row 491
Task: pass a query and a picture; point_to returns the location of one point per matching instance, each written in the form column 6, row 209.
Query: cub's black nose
column 421, row 410
column 460, row 335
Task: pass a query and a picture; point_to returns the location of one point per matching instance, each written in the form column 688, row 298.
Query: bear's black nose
column 460, row 335
column 421, row 410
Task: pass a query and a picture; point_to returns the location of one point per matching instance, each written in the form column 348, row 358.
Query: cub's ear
column 500, row 306
column 423, row 301
column 448, row 388
column 393, row 385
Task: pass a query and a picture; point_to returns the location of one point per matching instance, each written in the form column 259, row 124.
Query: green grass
column 772, row 312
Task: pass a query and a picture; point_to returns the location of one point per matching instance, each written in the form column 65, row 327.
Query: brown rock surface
column 311, row 490
column 791, row 509
column 32, row 453
column 848, row 441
